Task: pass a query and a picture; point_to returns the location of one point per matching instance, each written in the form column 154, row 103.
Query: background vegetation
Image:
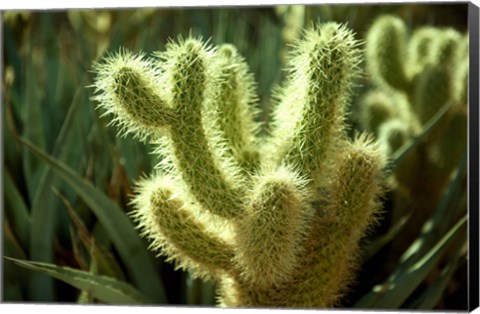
column 68, row 178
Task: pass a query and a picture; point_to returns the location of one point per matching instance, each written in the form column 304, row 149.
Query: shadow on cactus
column 274, row 219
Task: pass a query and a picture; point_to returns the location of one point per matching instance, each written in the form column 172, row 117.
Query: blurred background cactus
column 420, row 81
column 68, row 179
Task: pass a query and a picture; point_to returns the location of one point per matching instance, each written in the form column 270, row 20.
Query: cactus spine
column 276, row 224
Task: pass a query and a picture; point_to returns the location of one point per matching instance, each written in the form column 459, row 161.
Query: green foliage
column 68, row 180
column 105, row 289
column 116, row 224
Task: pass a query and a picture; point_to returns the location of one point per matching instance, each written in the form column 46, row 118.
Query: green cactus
column 386, row 51
column 433, row 62
column 415, row 75
column 275, row 220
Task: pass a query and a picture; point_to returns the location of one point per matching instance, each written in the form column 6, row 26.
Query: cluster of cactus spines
column 144, row 113
column 320, row 78
column 274, row 227
column 233, row 109
column 277, row 223
column 173, row 226
column 415, row 74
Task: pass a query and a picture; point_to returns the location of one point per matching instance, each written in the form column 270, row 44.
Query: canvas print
column 289, row 156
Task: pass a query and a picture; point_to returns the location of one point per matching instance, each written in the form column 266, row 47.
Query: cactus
column 414, row 76
column 275, row 220
column 385, row 53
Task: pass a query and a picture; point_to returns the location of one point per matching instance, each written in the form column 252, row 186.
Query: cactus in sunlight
column 415, row 75
column 275, row 219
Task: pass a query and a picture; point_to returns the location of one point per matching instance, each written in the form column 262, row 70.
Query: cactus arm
column 230, row 115
column 385, row 53
column 377, row 108
column 177, row 232
column 393, row 134
column 326, row 268
column 213, row 185
column 419, row 52
column 270, row 236
column 356, row 185
column 129, row 87
column 432, row 92
column 309, row 117
column 445, row 48
column 126, row 88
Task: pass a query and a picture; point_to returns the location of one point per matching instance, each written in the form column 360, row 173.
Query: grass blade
column 106, row 264
column 33, row 129
column 425, row 242
column 13, row 154
column 393, row 293
column 103, row 288
column 16, row 210
column 14, row 278
column 410, row 145
column 430, row 298
column 437, row 224
column 121, row 230
column 378, row 243
column 43, row 211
